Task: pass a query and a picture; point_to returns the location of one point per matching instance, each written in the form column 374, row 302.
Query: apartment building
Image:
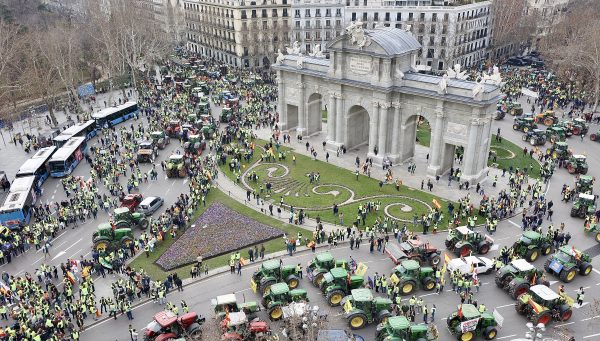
column 450, row 32
column 316, row 22
column 239, row 33
column 546, row 13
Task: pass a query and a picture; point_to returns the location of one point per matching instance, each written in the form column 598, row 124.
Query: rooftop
column 522, row 265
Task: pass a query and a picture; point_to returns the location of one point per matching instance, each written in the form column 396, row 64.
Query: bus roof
column 65, row 151
column 62, row 137
column 19, row 190
column 22, row 184
column 32, row 165
column 74, row 129
column 105, row 112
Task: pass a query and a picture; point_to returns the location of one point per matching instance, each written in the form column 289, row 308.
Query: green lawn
column 424, row 133
column 324, row 115
column 297, row 191
column 215, row 195
column 505, row 159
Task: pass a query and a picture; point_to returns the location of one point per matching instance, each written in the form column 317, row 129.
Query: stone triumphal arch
column 374, row 97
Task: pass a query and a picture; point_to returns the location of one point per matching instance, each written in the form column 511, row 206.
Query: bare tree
column 574, row 45
column 509, row 26
column 8, row 51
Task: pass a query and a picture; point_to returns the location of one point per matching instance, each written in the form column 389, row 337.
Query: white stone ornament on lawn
column 455, row 72
column 280, row 57
column 358, row 35
column 317, row 53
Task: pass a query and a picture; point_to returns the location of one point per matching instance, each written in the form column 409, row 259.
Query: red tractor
column 174, row 128
column 236, row 327
column 168, row 326
column 132, row 201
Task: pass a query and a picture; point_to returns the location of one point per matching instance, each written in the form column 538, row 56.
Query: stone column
column 339, row 120
column 281, row 107
column 302, row 119
column 331, row 121
column 373, row 125
column 396, row 128
column 471, row 148
column 383, row 124
column 436, row 144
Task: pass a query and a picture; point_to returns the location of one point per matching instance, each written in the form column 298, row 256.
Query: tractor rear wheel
column 525, row 129
column 570, row 169
column 546, row 249
column 484, row 248
column 544, row 317
column 143, row 223
column 585, row 268
column 407, row 287
column 548, row 121
column 334, row 297
column 517, row 290
column 275, row 313
column 428, row 284
column 490, row 333
column 126, row 241
column 532, row 254
column 357, row 321
column 593, row 137
column 598, row 237
column 547, row 265
column 565, row 312
column 465, row 250
column 195, row 332
column 568, row 275
column 266, row 287
column 434, row 260
column 467, row 336
column 292, row 282
column 318, row 278
column 101, row 244
column 520, row 307
column 515, row 127
column 576, row 131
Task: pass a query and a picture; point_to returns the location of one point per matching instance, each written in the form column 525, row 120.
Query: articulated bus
column 86, row 129
column 108, row 117
column 64, row 161
column 16, row 209
column 37, row 166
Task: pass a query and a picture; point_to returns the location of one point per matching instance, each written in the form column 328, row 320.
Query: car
column 132, row 201
column 467, row 265
column 150, row 205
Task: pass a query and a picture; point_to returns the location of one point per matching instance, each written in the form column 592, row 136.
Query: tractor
column 160, row 139
column 595, row 136
column 208, row 129
column 535, row 137
column 280, row 295
column 415, row 249
column 399, row 328
column 410, row 276
column 577, row 164
column 579, row 126
column 105, row 239
column 467, row 322
column 124, row 218
column 203, row 106
column 555, row 134
column 226, row 115
column 531, row 245
column 464, row 241
column 321, row 264
column 524, row 124
column 271, row 272
column 228, row 303
column 499, row 115
column 132, row 201
column 515, row 108
column 541, row 304
column 338, row 283
column 168, row 326
column 516, row 277
column 559, row 150
column 238, row 327
column 547, row 118
column 174, row 128
column 565, row 125
column 567, row 262
column 361, row 308
column 176, row 166
column 194, row 145
column 585, row 184
column 584, row 205
column 145, row 151
column 592, row 227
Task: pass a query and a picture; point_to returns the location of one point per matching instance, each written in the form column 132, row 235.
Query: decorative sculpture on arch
column 300, row 62
column 443, row 84
column 295, row 49
column 358, row 34
column 478, row 89
column 280, row 57
column 317, row 53
column 494, row 78
column 455, row 72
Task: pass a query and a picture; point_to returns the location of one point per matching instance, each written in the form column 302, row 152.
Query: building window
column 398, row 16
column 442, row 53
column 244, row 14
column 297, row 13
column 422, row 17
column 264, row 13
column 253, row 13
column 307, row 24
column 398, row 25
column 410, row 17
column 327, row 35
column 364, row 2
column 376, row 16
column 440, row 65
column 328, row 23
column 353, row 16
column 446, row 16
column 297, row 24
column 265, row 25
column 318, row 12
column 431, row 38
column 307, row 48
column 432, row 31
column 328, row 12
column 387, row 16
column 429, row 63
column 274, row 13
column 364, row 16
column 338, row 23
column 285, row 14
column 307, row 13
column 443, row 41
column 430, row 53
column 338, row 12
column 434, row 17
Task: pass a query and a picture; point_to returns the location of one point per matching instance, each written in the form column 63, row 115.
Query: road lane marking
column 564, row 324
column 65, row 250
column 512, row 222
column 504, row 306
column 596, row 271
column 75, row 254
column 587, row 337
column 39, row 259
column 505, row 337
column 583, row 289
column 590, row 318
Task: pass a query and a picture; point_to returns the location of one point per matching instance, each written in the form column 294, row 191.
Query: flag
column 472, row 267
column 347, row 306
column 475, row 275
column 536, row 307
column 436, row 203
column 446, row 259
column 460, row 313
column 533, row 279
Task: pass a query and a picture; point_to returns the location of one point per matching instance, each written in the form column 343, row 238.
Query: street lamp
column 535, row 331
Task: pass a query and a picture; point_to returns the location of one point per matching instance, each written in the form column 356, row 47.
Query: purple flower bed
column 225, row 230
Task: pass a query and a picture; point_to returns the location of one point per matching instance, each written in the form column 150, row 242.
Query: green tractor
column 535, row 137
column 584, row 205
column 467, row 322
column 595, row 136
column 584, row 184
column 321, row 264
column 337, row 283
column 579, row 126
column 279, row 296
column 524, row 124
column 160, row 139
column 361, row 308
column 592, row 227
column 105, row 239
column 271, row 272
column 556, row 134
column 123, row 217
column 567, row 262
column 531, row 245
column 176, row 166
column 559, row 150
column 398, row 328
column 208, row 129
column 516, row 277
column 464, row 241
column 541, row 304
column 409, row 275
column 228, row 303
column 204, row 106
column 194, row 145
column 226, row 115
column 577, row 164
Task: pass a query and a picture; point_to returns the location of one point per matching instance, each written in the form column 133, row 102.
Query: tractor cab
column 362, row 308
column 176, row 159
column 584, row 184
column 544, row 296
column 577, row 164
column 556, row 134
column 203, row 106
column 322, row 260
column 174, row 128
column 131, row 201
column 579, row 126
column 226, row 114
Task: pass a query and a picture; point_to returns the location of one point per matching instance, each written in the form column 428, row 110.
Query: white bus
column 108, row 117
column 16, row 210
column 86, row 129
column 37, row 166
column 64, row 161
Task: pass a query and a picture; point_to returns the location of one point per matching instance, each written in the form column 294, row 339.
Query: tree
column 574, row 46
column 511, row 27
column 9, row 46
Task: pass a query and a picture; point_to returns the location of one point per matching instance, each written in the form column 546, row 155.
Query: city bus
column 16, row 210
column 87, row 129
column 64, row 160
column 37, row 166
column 108, row 117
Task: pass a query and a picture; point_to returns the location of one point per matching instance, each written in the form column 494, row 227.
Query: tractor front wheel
column 143, row 223
column 593, row 137
column 585, row 269
column 357, row 321
column 275, row 313
column 490, row 333
column 465, row 250
column 568, row 276
column 335, row 297
column 517, row 290
column 407, row 288
column 565, row 312
column 598, row 237
column 532, row 254
column 467, row 336
column 544, row 318
column 101, row 244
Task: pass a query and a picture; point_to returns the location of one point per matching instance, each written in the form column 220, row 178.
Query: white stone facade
column 449, row 33
column 316, row 22
column 547, row 13
column 374, row 97
column 240, row 33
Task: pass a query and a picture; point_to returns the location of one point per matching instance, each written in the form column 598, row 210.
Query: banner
column 469, row 325
column 347, row 306
column 499, row 318
column 394, row 279
column 361, row 269
column 529, row 93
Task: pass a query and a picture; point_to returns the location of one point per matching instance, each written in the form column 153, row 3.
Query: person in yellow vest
column 481, row 308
